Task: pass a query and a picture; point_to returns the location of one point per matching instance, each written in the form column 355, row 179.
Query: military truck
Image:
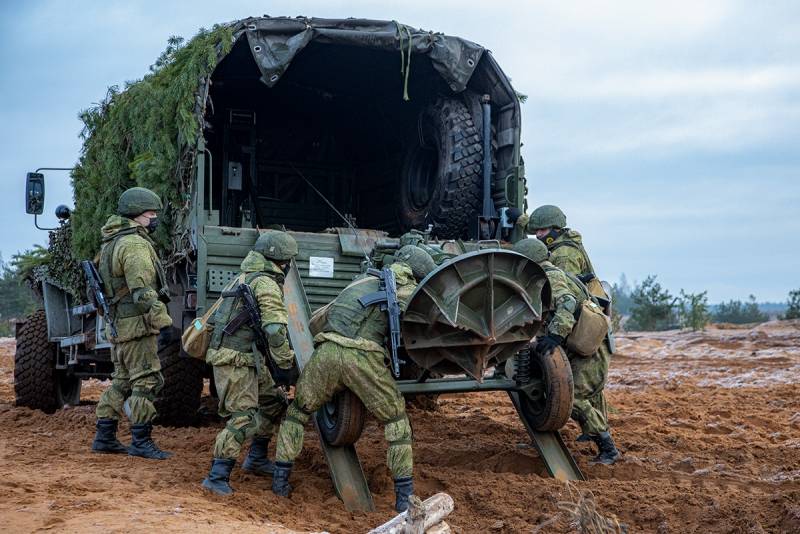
column 347, row 133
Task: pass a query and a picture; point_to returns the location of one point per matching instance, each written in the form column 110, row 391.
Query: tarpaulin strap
column 405, row 62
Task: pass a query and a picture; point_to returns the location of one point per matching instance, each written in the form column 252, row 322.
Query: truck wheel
column 342, row 419
column 441, row 181
column 37, row 382
column 178, row 401
column 549, row 409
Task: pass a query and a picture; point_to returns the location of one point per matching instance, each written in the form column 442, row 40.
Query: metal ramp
column 551, row 447
column 345, row 467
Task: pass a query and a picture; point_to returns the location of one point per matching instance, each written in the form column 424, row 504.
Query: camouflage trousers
column 589, row 404
column 251, row 402
column 135, row 382
column 331, row 369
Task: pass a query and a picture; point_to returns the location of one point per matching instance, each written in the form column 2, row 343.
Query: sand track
column 709, row 424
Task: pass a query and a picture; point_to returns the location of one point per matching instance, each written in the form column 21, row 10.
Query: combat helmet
column 532, row 248
column 276, row 245
column 137, row 200
column 420, row 261
column 547, row 216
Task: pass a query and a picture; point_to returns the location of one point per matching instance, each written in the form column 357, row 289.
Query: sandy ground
column 709, row 424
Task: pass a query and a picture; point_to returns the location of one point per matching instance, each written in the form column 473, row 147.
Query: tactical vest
column 347, row 317
column 579, row 247
column 116, row 288
column 241, row 340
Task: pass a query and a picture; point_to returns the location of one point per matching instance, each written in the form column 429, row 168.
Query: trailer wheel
column 342, row 419
column 549, row 409
column 37, row 382
column 178, row 401
column 441, row 181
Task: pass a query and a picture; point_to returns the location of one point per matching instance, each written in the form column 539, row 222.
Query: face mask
column 152, row 225
column 285, row 268
column 550, row 236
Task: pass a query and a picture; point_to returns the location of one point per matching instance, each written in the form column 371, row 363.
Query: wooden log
column 421, row 516
column 440, row 528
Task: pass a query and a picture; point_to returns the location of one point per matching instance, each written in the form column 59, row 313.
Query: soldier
column 350, row 352
column 589, row 374
column 137, row 291
column 248, row 396
column 549, row 224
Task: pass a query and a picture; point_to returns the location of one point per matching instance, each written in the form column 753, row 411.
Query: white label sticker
column 320, row 267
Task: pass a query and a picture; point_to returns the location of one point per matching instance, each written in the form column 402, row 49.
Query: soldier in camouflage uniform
column 549, row 224
column 137, row 291
column 248, row 395
column 350, row 352
column 589, row 374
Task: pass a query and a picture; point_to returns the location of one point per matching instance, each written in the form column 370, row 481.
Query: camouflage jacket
column 566, row 296
column 268, row 291
column 567, row 253
column 134, row 279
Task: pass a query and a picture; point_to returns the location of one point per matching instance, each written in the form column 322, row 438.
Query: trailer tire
column 37, row 382
column 441, row 181
column 551, row 410
column 341, row 420
column 178, row 402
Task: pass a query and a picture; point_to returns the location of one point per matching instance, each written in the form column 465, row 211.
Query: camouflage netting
column 146, row 136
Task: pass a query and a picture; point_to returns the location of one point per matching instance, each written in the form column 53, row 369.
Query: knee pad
column 243, row 431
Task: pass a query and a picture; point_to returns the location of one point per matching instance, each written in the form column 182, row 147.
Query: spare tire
column 341, row 420
column 178, row 401
column 37, row 382
column 441, row 181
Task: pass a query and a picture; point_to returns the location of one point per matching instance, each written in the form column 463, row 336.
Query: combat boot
column 256, row 461
column 608, row 453
column 280, row 479
column 403, row 489
column 142, row 444
column 105, row 440
column 219, row 477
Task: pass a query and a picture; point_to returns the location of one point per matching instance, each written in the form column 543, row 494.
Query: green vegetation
column 16, row 298
column 793, row 308
column 653, row 307
column 693, row 310
column 738, row 312
column 146, row 135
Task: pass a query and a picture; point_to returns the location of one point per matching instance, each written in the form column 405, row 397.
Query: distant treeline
column 649, row 306
column 16, row 298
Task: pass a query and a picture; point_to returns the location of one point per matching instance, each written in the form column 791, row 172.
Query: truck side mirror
column 34, row 193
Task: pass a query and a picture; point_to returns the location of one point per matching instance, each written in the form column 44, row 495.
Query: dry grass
column 580, row 511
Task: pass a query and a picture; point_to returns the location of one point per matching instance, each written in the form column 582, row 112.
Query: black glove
column 548, row 343
column 286, row 377
column 164, row 337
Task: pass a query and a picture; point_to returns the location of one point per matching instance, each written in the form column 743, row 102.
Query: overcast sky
column 667, row 131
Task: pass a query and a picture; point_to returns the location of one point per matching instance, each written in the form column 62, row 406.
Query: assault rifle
column 250, row 316
column 95, row 285
column 386, row 296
